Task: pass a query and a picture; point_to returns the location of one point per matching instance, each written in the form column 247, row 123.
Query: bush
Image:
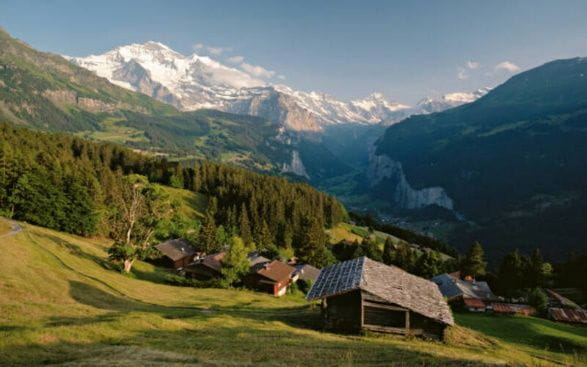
column 181, row 281
column 538, row 299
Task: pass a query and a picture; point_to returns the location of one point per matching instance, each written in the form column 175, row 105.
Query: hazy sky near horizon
column 349, row 49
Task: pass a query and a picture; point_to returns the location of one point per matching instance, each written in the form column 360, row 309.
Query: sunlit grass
column 60, row 304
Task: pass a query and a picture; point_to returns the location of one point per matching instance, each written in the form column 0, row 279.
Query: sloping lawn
column 60, row 304
column 537, row 336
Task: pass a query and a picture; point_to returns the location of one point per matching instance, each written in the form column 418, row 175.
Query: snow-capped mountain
column 431, row 105
column 194, row 82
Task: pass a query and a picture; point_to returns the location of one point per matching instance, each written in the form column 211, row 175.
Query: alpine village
column 155, row 209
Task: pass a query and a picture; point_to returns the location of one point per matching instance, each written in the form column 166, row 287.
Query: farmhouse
column 177, row 253
column 273, row 277
column 469, row 293
column 362, row 294
column 562, row 309
column 206, row 268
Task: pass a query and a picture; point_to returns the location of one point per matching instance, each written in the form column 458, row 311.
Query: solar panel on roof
column 337, row 279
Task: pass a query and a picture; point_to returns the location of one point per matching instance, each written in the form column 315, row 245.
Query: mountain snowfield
column 194, row 82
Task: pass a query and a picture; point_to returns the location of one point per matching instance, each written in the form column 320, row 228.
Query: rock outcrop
column 384, row 171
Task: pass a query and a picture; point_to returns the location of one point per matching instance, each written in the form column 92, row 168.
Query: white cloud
column 472, row 65
column 236, row 59
column 257, row 71
column 281, row 76
column 212, row 50
column 215, row 50
column 462, row 74
column 507, row 66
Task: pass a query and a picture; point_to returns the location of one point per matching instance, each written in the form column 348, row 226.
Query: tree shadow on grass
column 217, row 336
column 75, row 250
column 238, row 343
column 59, row 321
column 93, row 296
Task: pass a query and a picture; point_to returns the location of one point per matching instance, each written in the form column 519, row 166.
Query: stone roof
column 307, row 272
column 255, row 259
column 176, row 249
column 451, row 286
column 213, row 261
column 556, row 300
column 386, row 282
column 568, row 315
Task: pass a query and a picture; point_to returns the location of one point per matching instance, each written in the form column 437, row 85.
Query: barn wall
column 343, row 312
column 258, row 282
column 201, row 272
column 390, row 319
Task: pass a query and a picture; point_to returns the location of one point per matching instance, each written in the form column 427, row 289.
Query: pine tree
column 207, row 239
column 511, row 273
column 264, row 238
column 474, row 264
column 245, row 227
column 428, row 264
column 313, row 245
column 388, row 250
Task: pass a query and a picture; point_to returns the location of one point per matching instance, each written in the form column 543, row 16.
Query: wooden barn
column 362, row 294
column 273, row 277
column 206, row 268
column 177, row 253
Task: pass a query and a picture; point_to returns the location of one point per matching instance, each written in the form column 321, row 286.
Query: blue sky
column 404, row 49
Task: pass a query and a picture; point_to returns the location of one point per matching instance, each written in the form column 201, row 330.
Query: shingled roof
column 176, row 249
column 387, row 282
column 276, row 271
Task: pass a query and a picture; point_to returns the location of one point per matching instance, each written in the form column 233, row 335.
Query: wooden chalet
column 362, row 294
column 273, row 277
column 468, row 293
column 177, row 253
column 206, row 268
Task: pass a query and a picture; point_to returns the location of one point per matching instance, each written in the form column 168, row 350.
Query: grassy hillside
column 191, row 204
column 60, row 305
column 351, row 232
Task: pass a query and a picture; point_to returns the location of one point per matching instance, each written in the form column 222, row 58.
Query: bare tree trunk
column 128, row 265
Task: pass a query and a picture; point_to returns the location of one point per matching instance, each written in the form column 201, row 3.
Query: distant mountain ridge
column 193, row 82
column 512, row 162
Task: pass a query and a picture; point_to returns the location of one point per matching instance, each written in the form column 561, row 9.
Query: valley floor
column 60, row 305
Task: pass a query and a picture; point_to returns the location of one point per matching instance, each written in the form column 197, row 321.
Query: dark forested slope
column 513, row 161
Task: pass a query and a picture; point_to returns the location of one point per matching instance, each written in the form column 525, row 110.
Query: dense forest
column 81, row 187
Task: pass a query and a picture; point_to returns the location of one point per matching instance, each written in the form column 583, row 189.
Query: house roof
column 387, row 282
column 213, row 261
column 255, row 259
column 307, row 272
column 512, row 308
column 176, row 249
column 557, row 299
column 473, row 303
column 452, row 286
column 276, row 271
column 568, row 315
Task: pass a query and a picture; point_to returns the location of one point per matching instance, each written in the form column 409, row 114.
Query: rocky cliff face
column 385, row 172
column 296, row 166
